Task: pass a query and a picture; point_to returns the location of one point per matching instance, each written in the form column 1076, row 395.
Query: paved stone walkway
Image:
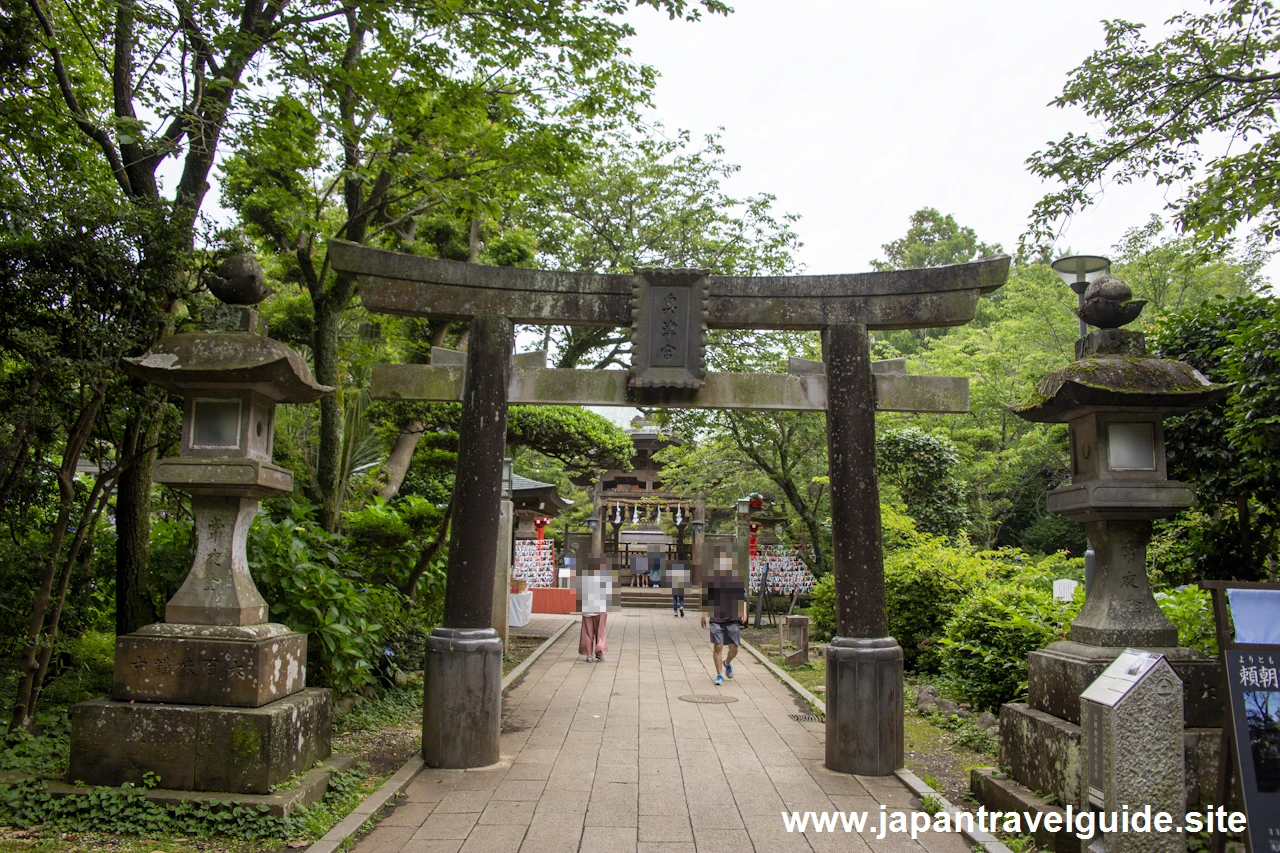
column 606, row 758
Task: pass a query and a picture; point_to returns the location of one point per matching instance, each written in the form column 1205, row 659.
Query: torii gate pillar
column 462, row 707
column 864, row 664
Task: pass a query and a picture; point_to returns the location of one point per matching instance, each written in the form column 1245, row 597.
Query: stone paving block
column 494, row 838
column 551, row 826
column 422, row 790
column 563, row 802
column 408, row 813
column 722, row 840
column 717, row 816
column 445, row 826
column 386, row 839
column 507, row 812
column 866, row 803
column 464, row 802
column 537, row 755
column 617, row 773
column 608, row 839
column 665, row 828
column 431, row 846
column 612, row 814
column 519, row 790
column 481, row 780
column 529, row 772
column 667, row 802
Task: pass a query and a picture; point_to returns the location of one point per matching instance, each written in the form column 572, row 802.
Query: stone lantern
column 1113, row 398
column 214, row 698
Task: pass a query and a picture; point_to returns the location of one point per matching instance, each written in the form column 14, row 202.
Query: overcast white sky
column 856, row 114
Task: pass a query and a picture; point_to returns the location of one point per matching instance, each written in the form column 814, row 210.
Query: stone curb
column 786, row 679
column 511, row 677
column 985, row 840
column 369, row 806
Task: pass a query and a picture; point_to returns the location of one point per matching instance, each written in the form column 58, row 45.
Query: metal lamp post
column 1078, row 271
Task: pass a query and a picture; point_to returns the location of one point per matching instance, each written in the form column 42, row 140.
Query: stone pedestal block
column 1060, row 672
column 462, row 705
column 1042, row 751
column 199, row 748
column 239, row 666
column 1044, row 754
column 864, row 706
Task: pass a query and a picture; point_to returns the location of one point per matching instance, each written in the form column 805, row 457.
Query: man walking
column 679, row 581
column 724, row 604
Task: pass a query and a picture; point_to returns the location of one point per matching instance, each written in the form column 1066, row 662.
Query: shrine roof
column 524, row 488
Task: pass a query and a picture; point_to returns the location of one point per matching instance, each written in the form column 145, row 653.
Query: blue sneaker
column 728, row 669
column 719, row 679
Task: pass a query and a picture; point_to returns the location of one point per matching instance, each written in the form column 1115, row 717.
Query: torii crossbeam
column 669, row 313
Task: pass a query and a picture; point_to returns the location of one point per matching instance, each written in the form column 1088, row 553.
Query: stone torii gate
column 669, row 313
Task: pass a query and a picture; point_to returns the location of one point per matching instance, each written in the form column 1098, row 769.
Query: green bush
column 986, row 642
column 923, row 586
column 1191, row 609
column 897, row 532
column 822, row 608
column 299, row 569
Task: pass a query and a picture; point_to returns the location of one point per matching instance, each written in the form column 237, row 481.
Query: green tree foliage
column 933, row 240
column 649, row 201
column 73, row 302
column 921, row 468
column 1173, row 274
column 1229, row 451
column 382, row 128
column 1194, row 111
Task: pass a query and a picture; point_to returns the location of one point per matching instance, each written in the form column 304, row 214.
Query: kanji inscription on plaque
column 669, row 329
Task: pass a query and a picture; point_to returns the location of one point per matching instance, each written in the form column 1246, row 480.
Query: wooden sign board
column 1255, row 714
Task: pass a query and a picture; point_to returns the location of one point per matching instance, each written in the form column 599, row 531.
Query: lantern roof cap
column 1119, row 382
column 201, row 361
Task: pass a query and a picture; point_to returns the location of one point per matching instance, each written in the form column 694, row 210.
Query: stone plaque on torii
column 669, row 313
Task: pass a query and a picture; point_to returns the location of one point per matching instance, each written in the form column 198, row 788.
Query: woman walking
column 595, row 591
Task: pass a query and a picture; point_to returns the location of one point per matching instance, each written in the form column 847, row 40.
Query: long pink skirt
column 593, row 640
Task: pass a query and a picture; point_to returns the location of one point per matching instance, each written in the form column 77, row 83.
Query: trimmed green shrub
column 822, row 608
column 986, row 642
column 923, row 586
column 1191, row 609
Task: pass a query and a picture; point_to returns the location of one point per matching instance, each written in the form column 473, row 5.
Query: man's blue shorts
column 725, row 634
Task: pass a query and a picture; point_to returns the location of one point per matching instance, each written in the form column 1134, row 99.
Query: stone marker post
column 463, row 691
column 502, row 572
column 864, row 664
column 1133, row 750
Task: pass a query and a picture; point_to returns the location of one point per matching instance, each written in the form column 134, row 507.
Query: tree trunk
column 1246, row 534
column 397, row 465
column 133, row 526
column 27, row 667
column 329, row 451
column 93, row 507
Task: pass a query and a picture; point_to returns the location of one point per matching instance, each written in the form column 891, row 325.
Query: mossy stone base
column 241, row 666
column 199, row 748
